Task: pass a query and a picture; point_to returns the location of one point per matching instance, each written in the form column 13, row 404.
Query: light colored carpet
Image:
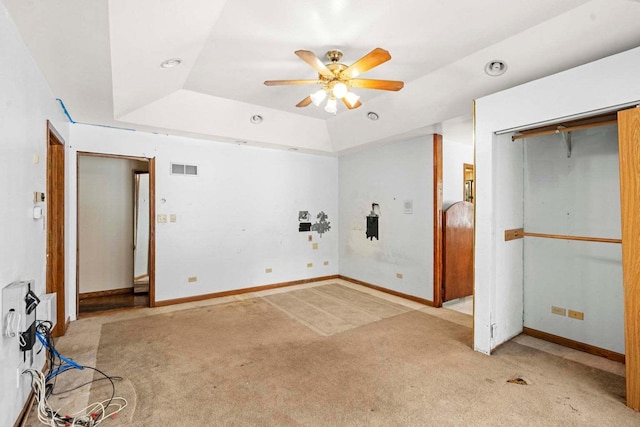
column 266, row 361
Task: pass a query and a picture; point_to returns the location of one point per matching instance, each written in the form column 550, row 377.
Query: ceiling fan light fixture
column 340, row 90
column 332, row 106
column 351, row 98
column 318, row 97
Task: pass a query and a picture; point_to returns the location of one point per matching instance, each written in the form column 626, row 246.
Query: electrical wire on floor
column 43, row 385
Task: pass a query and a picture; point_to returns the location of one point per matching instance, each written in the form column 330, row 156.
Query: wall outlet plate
column 559, row 311
column 192, row 279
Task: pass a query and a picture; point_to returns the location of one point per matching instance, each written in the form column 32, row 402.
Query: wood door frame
column 437, row 220
column 55, row 218
column 152, row 224
column 629, row 158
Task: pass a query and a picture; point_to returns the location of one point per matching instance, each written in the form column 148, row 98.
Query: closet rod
column 564, row 237
column 563, row 129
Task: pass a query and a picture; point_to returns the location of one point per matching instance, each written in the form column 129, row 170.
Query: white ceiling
column 102, row 58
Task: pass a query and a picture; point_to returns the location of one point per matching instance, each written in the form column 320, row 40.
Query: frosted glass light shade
column 351, row 98
column 332, row 106
column 318, row 97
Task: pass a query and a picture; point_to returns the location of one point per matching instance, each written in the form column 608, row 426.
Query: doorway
column 454, row 226
column 115, row 244
column 469, row 188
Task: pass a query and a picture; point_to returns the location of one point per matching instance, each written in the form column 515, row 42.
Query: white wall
column 238, row 217
column 389, row 175
column 106, row 222
column 577, row 196
column 25, row 105
column 603, row 84
column 454, row 156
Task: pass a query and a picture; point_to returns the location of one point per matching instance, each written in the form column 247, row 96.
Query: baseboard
column 24, row 414
column 389, row 291
column 107, row 293
column 576, row 345
column 241, row 291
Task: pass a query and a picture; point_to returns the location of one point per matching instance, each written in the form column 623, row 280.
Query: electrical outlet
column 315, row 246
column 192, row 279
column 268, row 270
column 326, row 263
column 173, row 218
column 162, row 218
column 399, row 275
column 576, row 315
column 309, row 265
column 558, row 310
column 310, row 237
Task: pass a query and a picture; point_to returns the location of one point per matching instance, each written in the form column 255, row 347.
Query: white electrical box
column 47, row 309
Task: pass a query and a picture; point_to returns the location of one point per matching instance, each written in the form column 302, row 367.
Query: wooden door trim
column 152, row 232
column 629, row 158
column 55, row 244
column 437, row 220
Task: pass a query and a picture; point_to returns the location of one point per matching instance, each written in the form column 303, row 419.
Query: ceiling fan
column 337, row 79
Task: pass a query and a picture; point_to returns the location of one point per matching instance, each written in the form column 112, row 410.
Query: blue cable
column 70, row 364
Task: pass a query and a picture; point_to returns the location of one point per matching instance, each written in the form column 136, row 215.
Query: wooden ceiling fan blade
column 394, row 85
column 349, row 105
column 304, row 102
column 311, row 59
column 291, row 82
column 372, row 59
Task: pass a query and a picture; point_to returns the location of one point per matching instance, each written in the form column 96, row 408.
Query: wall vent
column 182, row 169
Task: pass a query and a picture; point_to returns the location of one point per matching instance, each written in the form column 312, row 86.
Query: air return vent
column 181, row 169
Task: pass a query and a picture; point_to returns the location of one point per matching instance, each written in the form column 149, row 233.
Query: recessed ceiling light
column 256, row 119
column 170, row 63
column 372, row 116
column 495, row 68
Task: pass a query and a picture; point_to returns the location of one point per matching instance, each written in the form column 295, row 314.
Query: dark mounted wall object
column 304, row 226
column 372, row 227
column 372, row 222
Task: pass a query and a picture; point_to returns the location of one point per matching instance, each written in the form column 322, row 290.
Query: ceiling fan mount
column 337, row 79
column 334, row 55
